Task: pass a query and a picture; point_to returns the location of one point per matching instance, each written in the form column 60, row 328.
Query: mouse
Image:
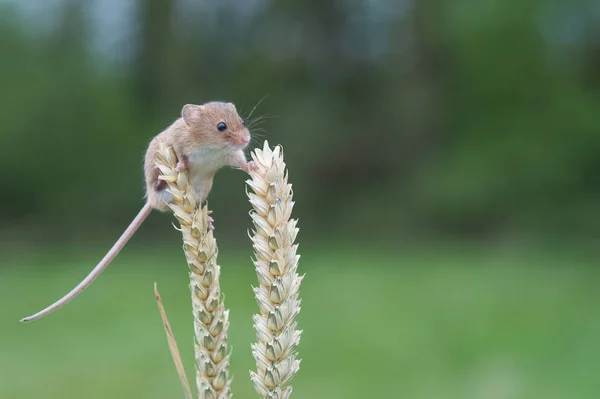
column 205, row 138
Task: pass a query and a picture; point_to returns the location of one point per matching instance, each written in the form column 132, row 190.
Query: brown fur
column 195, row 137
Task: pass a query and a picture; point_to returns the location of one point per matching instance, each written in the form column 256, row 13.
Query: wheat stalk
column 173, row 346
column 200, row 248
column 276, row 264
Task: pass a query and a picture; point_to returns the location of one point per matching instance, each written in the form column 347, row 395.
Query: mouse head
column 216, row 124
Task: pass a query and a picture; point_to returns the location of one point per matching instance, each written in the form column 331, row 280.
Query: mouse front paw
column 249, row 166
column 181, row 165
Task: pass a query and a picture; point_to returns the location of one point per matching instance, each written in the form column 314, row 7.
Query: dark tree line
column 424, row 117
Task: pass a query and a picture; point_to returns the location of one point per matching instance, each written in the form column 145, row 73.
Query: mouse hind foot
column 160, row 185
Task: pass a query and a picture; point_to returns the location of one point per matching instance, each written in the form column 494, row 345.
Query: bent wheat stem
column 173, row 346
column 276, row 264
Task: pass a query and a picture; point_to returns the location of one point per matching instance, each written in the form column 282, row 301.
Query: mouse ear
column 191, row 113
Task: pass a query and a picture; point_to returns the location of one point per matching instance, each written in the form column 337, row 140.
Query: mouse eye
column 243, row 122
column 221, row 126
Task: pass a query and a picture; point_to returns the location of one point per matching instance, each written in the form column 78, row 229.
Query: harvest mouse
column 205, row 138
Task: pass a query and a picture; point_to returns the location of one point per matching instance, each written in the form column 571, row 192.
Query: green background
column 435, row 323
column 445, row 164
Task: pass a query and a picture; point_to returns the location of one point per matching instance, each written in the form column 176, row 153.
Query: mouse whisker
column 258, row 133
column 259, row 120
column 256, row 123
column 257, row 104
column 258, row 137
column 264, row 116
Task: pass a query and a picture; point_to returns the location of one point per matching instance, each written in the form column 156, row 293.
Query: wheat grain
column 276, row 262
column 200, row 248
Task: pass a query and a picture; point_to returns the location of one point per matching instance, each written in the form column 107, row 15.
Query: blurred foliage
column 490, row 326
column 426, row 117
column 477, row 120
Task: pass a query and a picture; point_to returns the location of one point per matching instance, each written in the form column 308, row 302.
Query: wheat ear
column 276, row 264
column 200, row 248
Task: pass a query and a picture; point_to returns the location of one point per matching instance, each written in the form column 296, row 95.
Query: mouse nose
column 245, row 140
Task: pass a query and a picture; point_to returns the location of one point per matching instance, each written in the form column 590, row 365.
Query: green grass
column 376, row 325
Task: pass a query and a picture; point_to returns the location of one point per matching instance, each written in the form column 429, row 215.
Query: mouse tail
column 110, row 255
